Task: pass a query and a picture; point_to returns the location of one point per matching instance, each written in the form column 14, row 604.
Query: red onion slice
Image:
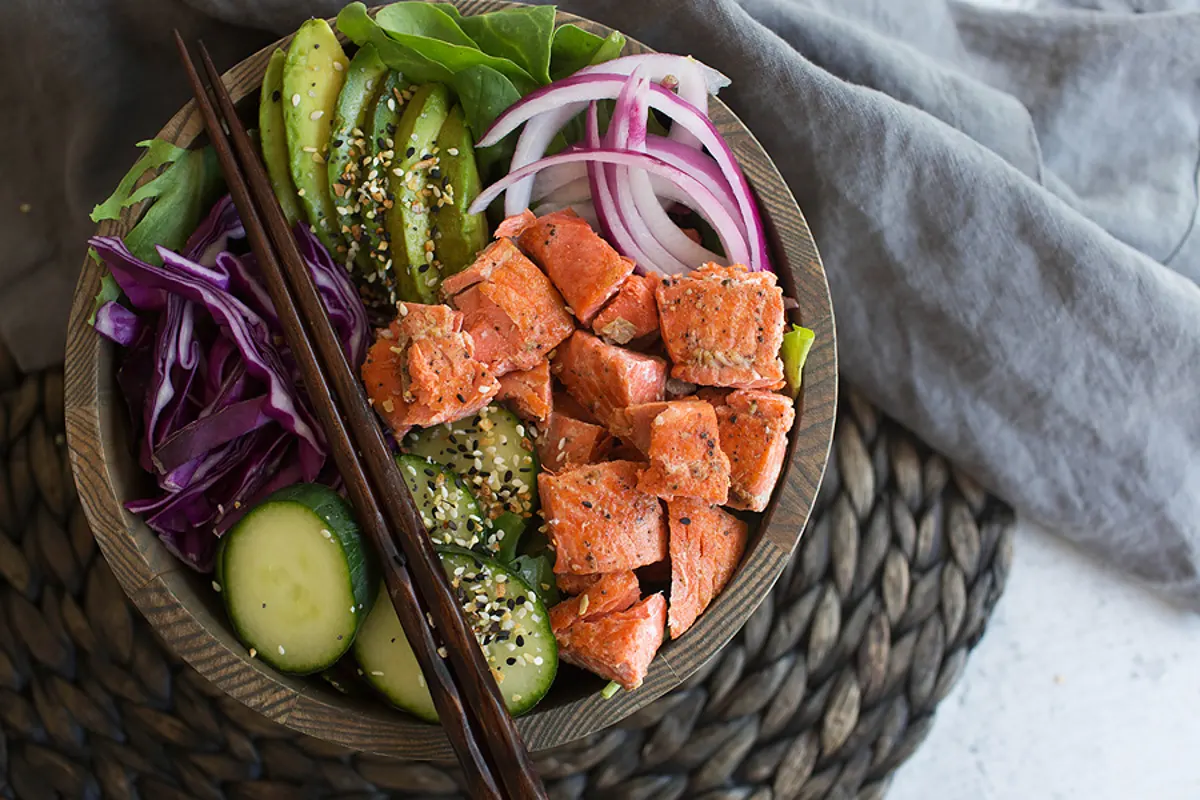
column 560, row 96
column 698, row 195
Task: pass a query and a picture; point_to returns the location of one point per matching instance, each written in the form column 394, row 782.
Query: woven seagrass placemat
column 830, row 686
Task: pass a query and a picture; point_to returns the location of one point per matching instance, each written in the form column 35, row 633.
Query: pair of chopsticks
column 481, row 731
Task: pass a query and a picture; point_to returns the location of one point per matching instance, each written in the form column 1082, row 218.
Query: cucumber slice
column 448, row 509
column 273, row 139
column 520, row 647
column 538, row 574
column 297, row 578
column 312, row 79
column 493, row 452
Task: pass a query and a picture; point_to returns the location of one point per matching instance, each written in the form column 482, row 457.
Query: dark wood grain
column 182, row 607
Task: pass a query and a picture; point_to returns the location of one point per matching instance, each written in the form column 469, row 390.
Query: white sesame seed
column 337, row 65
column 281, row 650
column 295, row 100
column 216, row 586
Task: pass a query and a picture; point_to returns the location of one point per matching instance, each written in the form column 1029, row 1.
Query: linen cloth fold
column 1005, row 201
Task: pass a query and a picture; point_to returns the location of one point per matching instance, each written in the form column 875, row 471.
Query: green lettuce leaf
column 182, row 195
column 157, row 153
column 573, row 48
column 109, row 291
column 522, row 36
column 434, row 20
column 794, row 351
column 450, row 57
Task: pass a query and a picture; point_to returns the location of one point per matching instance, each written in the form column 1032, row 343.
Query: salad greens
column 574, row 48
column 182, row 194
column 794, row 352
column 490, row 60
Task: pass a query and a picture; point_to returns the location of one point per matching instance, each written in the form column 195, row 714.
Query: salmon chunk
column 604, row 377
column 614, row 591
column 754, row 428
column 566, row 442
column 421, row 370
column 528, row 392
column 510, row 308
column 723, row 326
column 598, row 521
column 685, row 453
column 565, row 404
column 707, row 544
column 632, row 314
column 576, row 584
column 584, row 267
column 634, row 424
column 618, row 646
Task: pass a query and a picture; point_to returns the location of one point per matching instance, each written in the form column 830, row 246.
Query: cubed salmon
column 754, row 428
column 618, row 646
column 604, row 377
column 529, row 392
column 685, row 454
column 566, row 442
column 632, row 314
column 612, row 591
column 623, row 451
column 584, row 267
column 707, row 544
column 421, row 370
column 576, row 584
column 634, row 424
column 565, row 404
column 512, row 311
column 516, row 225
column 598, row 520
column 723, row 326
column 713, row 395
column 446, row 381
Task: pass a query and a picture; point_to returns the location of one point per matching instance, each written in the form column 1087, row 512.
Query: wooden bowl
column 187, row 614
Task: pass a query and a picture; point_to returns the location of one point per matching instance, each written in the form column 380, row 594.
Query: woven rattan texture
column 830, row 686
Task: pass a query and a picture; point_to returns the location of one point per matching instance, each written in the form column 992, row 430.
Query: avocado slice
column 350, row 150
column 313, row 76
column 409, row 219
column 273, row 138
column 458, row 236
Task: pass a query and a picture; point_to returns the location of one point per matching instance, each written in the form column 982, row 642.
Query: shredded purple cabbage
column 221, row 418
column 118, row 324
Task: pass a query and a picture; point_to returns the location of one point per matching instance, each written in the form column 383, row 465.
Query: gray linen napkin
column 1005, row 203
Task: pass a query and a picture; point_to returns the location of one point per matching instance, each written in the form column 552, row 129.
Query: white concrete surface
column 1085, row 687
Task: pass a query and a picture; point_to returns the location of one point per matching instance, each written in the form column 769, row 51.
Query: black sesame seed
column 512, row 662
column 685, row 521
column 587, row 504
column 275, row 95
column 409, row 152
column 520, row 640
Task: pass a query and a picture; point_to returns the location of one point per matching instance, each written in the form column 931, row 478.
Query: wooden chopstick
column 469, row 704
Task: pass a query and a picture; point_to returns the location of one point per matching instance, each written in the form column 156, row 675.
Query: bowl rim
column 165, row 590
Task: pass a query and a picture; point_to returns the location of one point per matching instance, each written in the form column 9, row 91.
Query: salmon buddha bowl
column 586, row 311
